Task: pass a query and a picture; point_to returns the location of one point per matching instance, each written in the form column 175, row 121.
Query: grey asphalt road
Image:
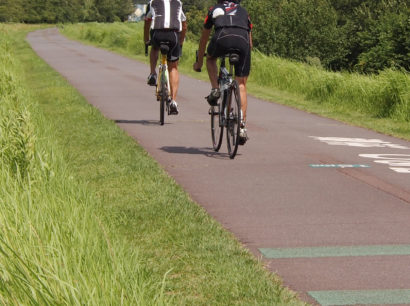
column 324, row 204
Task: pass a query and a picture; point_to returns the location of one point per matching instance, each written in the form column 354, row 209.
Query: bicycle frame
column 163, row 81
column 226, row 77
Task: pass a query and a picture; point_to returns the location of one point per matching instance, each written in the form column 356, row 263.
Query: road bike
column 227, row 114
column 162, row 90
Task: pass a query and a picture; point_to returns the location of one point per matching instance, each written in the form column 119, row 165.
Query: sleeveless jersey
column 165, row 14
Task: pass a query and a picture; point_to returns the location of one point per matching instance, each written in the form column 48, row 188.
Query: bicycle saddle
column 164, row 48
column 233, row 56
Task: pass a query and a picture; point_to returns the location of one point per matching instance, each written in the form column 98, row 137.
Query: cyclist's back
column 232, row 27
column 166, row 18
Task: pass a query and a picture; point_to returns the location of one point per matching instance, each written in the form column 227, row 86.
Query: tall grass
column 386, row 95
column 54, row 247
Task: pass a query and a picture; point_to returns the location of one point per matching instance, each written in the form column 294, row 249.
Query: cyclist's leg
column 154, row 50
column 242, row 68
column 173, row 59
column 153, row 59
column 212, row 68
column 216, row 48
column 173, row 78
column 242, row 89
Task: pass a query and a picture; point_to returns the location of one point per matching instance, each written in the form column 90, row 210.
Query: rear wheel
column 217, row 130
column 233, row 119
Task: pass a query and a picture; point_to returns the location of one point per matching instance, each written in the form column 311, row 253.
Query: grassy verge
column 379, row 102
column 89, row 218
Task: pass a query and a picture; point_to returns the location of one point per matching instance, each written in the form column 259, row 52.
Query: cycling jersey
column 165, row 15
column 228, row 14
column 232, row 27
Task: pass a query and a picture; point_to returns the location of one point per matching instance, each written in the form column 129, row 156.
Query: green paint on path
column 354, row 297
column 337, row 166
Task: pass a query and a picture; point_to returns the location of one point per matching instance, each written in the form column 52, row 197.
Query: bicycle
column 227, row 112
column 162, row 90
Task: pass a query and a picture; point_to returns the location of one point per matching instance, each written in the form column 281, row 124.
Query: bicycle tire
column 163, row 100
column 233, row 119
column 217, row 128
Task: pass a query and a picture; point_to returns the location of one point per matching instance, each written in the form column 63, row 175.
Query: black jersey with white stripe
column 165, row 14
column 228, row 14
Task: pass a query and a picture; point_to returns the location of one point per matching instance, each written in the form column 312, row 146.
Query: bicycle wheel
column 217, row 129
column 163, row 100
column 233, row 119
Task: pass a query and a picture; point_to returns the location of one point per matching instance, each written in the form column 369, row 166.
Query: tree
column 11, row 10
column 299, row 29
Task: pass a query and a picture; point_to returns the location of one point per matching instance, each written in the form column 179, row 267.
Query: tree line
column 60, row 11
column 356, row 35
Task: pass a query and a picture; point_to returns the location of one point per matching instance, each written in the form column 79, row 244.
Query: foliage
column 384, row 35
column 297, row 29
column 59, row 11
column 362, row 35
column 366, row 36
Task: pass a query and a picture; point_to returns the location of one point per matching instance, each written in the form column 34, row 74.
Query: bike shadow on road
column 192, row 150
column 143, row 122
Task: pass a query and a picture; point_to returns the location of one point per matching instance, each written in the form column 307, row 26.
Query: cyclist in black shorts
column 232, row 31
column 166, row 22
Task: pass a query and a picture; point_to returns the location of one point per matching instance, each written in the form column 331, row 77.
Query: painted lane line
column 336, row 251
column 363, row 297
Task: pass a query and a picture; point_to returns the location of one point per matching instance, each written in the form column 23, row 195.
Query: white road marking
column 359, row 142
column 399, row 163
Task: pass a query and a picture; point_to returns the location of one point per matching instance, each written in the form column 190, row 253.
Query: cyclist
column 232, row 31
column 166, row 22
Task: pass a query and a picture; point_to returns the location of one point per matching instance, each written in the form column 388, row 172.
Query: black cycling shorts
column 227, row 39
column 171, row 38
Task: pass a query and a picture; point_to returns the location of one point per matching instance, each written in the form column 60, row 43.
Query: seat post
column 233, row 59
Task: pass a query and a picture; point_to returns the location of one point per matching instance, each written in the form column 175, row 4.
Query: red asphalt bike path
column 314, row 198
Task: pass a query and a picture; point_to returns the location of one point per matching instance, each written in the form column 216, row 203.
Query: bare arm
column 183, row 32
column 202, row 45
column 147, row 25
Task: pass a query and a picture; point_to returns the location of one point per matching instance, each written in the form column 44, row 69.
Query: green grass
column 88, row 217
column 379, row 102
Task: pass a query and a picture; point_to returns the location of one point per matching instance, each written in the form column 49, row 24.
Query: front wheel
column 217, row 130
column 233, row 119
